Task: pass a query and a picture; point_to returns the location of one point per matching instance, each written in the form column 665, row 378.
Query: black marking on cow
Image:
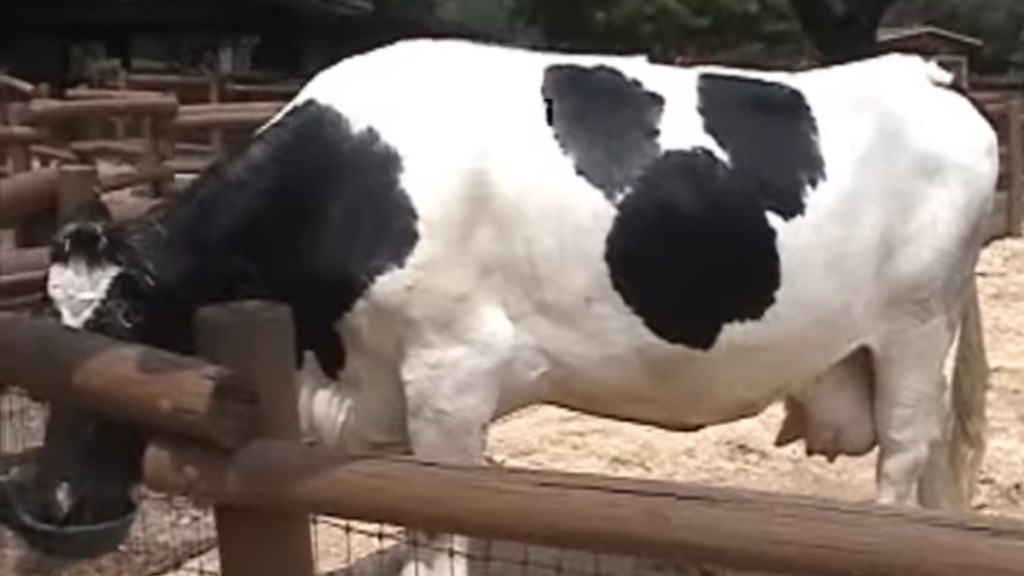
column 310, row 214
column 770, row 135
column 607, row 123
column 691, row 249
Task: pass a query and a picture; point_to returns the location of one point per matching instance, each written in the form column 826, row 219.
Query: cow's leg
column 452, row 392
column 910, row 406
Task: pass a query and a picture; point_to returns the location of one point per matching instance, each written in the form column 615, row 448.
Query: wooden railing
column 59, row 151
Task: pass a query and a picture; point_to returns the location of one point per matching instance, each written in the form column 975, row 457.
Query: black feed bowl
column 77, row 542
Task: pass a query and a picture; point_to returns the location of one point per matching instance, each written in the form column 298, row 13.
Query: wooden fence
column 132, row 134
column 228, row 434
column 1006, row 109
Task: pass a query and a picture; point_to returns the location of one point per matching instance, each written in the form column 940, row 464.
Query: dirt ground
column 741, row 454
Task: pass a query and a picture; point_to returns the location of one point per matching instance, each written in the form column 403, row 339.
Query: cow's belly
column 676, row 388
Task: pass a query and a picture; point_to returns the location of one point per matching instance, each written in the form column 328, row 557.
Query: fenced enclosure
column 225, row 470
column 224, row 436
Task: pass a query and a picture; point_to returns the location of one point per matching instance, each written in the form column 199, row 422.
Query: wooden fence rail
column 50, row 111
column 144, row 386
column 76, row 129
column 265, row 482
column 740, row 529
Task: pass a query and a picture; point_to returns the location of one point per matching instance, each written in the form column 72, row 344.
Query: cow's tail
column 968, row 397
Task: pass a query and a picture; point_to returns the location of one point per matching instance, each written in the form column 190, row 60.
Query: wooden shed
column 44, row 40
column 951, row 49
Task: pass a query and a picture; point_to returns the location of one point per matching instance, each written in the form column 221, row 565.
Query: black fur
column 607, row 123
column 770, row 136
column 691, row 249
column 309, row 215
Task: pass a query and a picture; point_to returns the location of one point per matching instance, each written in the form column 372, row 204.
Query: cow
column 463, row 229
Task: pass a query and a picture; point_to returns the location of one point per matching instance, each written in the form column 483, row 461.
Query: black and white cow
column 463, row 230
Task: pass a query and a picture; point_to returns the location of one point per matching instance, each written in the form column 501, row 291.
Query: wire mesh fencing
column 347, row 548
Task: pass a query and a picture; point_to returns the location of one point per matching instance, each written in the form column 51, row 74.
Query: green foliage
column 661, row 27
column 998, row 23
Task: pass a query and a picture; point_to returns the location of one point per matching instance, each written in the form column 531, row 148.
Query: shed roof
column 890, row 34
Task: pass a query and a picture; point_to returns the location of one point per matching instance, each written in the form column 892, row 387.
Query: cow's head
column 97, row 281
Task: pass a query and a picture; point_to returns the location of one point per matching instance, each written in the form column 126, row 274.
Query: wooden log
column 88, row 93
column 995, row 226
column 148, row 387
column 122, row 209
column 739, row 529
column 44, row 111
column 270, row 107
column 16, row 87
column 192, row 148
column 21, row 260
column 215, row 96
column 21, row 283
column 257, row 341
column 21, row 302
column 143, row 175
column 23, row 135
column 247, row 120
column 10, row 460
column 27, row 194
column 262, row 91
column 189, row 165
column 17, row 264
column 152, row 130
column 76, row 185
column 1015, row 167
column 164, row 81
column 53, row 153
column 130, row 150
column 21, row 160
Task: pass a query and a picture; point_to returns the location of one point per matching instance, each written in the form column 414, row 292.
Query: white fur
column 77, row 289
column 506, row 300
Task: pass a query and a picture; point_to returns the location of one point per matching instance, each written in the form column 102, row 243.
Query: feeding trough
column 71, row 541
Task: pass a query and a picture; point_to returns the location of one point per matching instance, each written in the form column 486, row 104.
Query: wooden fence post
column 256, row 340
column 1015, row 166
column 152, row 150
column 21, row 160
column 76, row 185
column 79, row 185
column 216, row 96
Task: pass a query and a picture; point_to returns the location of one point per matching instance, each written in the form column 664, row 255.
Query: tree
column 999, row 23
column 662, row 28
column 841, row 30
